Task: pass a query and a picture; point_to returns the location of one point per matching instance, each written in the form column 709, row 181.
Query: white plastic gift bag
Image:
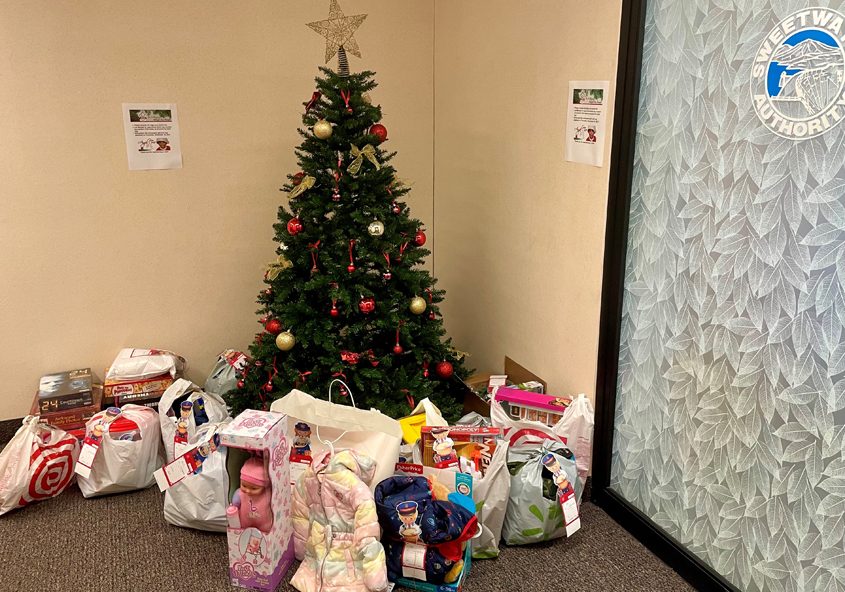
column 575, row 428
column 183, row 408
column 135, row 364
column 121, row 451
column 199, row 500
column 490, row 494
column 36, row 464
column 318, row 425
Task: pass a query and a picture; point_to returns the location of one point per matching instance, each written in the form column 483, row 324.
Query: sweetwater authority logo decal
column 798, row 76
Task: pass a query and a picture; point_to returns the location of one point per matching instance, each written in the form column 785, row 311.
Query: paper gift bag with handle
column 318, row 425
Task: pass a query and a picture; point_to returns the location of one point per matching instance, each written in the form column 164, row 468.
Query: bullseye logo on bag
column 798, row 76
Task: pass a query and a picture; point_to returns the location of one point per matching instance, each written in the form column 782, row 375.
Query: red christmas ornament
column 334, row 312
column 367, row 305
column 241, row 384
column 379, row 131
column 386, row 276
column 268, row 387
column 351, row 267
column 419, row 238
column 425, row 368
column 395, row 208
column 258, row 363
column 443, row 369
column 297, row 178
column 397, row 349
column 273, row 326
column 294, row 226
column 432, row 316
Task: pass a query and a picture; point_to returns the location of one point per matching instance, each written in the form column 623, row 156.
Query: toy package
column 259, row 513
column 526, row 405
column 427, row 518
column 459, row 446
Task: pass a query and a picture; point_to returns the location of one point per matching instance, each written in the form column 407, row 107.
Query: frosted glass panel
column 731, row 390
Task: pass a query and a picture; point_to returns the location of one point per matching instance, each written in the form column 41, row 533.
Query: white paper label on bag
column 413, row 561
column 186, row 464
column 571, row 516
column 86, row 459
column 297, row 467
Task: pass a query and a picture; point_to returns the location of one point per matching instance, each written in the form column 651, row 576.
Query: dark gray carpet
column 122, row 543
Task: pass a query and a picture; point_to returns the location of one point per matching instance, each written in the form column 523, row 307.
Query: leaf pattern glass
column 730, row 417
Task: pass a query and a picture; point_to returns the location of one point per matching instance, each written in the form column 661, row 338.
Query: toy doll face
column 97, row 431
column 408, row 519
column 554, row 466
column 182, row 427
column 251, row 489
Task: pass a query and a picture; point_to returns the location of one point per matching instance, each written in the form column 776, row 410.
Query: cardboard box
column 59, row 391
column 261, row 433
column 478, row 383
column 441, row 446
column 68, row 419
column 138, row 392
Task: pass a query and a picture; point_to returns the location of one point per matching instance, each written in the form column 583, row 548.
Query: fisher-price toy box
column 259, row 560
column 530, row 406
column 460, row 487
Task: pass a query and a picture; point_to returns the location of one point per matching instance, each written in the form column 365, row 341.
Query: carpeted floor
column 121, row 543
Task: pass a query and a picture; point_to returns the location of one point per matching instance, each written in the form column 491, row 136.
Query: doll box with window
column 260, row 545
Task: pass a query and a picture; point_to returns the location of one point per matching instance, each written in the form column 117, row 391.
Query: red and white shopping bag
column 36, row 464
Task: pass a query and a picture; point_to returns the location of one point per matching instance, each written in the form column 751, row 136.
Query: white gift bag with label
column 199, row 501
column 316, row 423
column 127, row 454
column 36, row 464
column 205, row 408
column 135, row 364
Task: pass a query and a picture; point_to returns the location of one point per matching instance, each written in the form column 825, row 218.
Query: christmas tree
column 347, row 297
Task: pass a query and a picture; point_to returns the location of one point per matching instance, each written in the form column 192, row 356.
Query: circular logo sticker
column 798, row 75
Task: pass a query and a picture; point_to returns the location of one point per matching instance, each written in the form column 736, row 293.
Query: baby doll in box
column 251, row 503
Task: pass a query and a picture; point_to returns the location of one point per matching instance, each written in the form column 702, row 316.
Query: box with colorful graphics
column 259, row 514
column 529, row 406
column 139, row 392
column 444, row 446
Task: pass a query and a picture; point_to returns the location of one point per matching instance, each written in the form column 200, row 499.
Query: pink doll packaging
column 259, row 512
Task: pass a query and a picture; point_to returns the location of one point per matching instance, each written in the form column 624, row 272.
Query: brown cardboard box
column 478, row 382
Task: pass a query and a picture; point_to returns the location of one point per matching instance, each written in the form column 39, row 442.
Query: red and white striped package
column 36, row 464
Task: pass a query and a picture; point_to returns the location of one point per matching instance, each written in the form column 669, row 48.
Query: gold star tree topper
column 339, row 31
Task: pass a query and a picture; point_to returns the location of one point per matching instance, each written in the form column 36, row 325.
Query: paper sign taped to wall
column 152, row 136
column 585, row 121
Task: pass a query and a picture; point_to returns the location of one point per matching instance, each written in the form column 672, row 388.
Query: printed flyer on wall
column 585, row 122
column 152, row 136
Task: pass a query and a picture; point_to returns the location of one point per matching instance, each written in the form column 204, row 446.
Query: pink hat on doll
column 253, row 472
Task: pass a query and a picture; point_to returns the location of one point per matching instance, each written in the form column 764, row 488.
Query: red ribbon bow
column 315, row 96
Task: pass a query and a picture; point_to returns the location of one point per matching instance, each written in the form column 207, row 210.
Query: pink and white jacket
column 335, row 526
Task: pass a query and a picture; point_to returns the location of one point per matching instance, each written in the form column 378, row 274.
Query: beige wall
column 519, row 231
column 96, row 257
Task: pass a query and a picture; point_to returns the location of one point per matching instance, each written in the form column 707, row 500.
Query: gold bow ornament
column 276, row 267
column 358, row 155
column 304, row 185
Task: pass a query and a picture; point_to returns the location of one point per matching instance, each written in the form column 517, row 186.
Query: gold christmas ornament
column 417, row 305
column 376, row 228
column 285, row 341
column 339, row 31
column 323, row 130
column 308, row 181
